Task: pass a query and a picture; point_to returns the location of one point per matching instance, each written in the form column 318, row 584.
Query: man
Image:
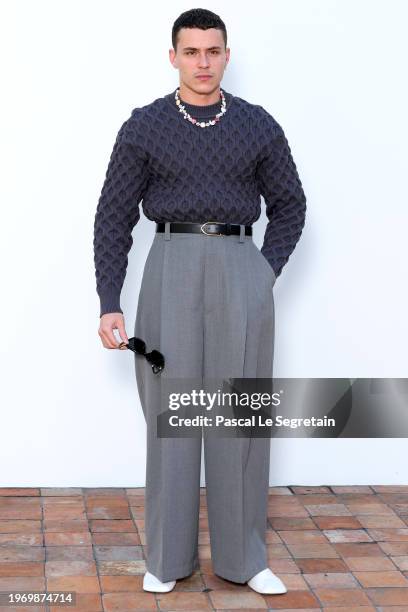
column 199, row 158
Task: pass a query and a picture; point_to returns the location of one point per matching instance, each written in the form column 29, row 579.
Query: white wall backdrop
column 331, row 72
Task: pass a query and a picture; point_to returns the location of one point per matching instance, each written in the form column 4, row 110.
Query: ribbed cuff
column 109, row 300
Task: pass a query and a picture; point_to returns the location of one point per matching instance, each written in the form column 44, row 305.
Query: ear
column 172, row 57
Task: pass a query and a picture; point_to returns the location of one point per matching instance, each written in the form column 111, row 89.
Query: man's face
column 200, row 52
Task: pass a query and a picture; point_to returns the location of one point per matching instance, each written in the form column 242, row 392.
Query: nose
column 203, row 60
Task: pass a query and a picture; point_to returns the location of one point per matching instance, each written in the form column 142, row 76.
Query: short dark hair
column 198, row 18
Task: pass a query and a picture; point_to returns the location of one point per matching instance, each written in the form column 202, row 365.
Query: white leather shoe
column 266, row 582
column 151, row 583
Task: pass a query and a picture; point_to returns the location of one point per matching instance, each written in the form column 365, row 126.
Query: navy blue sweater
column 182, row 172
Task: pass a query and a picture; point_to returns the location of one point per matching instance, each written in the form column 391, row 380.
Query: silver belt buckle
column 206, row 233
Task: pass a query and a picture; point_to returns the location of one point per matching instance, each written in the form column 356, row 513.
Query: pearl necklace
column 196, row 121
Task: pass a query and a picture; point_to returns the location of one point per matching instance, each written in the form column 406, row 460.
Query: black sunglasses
column 155, row 358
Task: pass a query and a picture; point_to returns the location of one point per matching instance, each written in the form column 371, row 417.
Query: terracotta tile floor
column 336, row 548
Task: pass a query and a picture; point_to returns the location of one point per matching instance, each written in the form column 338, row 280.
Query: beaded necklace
column 196, row 121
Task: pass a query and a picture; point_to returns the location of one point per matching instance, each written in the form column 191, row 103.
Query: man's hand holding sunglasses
column 115, row 320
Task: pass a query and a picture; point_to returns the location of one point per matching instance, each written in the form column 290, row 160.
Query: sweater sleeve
column 117, row 213
column 285, row 201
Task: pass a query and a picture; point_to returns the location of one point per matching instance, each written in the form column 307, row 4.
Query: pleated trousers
column 206, row 302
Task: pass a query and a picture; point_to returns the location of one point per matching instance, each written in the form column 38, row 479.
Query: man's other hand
column 108, row 322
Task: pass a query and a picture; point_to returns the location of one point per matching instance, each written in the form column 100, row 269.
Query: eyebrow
column 195, row 48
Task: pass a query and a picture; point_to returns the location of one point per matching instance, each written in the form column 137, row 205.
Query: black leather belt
column 210, row 228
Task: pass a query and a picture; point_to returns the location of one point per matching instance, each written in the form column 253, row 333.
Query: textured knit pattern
column 181, row 172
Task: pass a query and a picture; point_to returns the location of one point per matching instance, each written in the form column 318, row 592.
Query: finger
column 122, row 330
column 107, row 337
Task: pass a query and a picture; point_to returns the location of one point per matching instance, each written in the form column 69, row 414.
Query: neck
column 199, row 99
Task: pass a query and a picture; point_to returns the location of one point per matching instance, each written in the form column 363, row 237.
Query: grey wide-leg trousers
column 206, row 302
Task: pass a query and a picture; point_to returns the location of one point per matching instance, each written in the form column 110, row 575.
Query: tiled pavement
column 335, row 548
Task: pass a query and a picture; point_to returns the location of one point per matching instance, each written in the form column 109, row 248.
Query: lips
column 204, row 76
